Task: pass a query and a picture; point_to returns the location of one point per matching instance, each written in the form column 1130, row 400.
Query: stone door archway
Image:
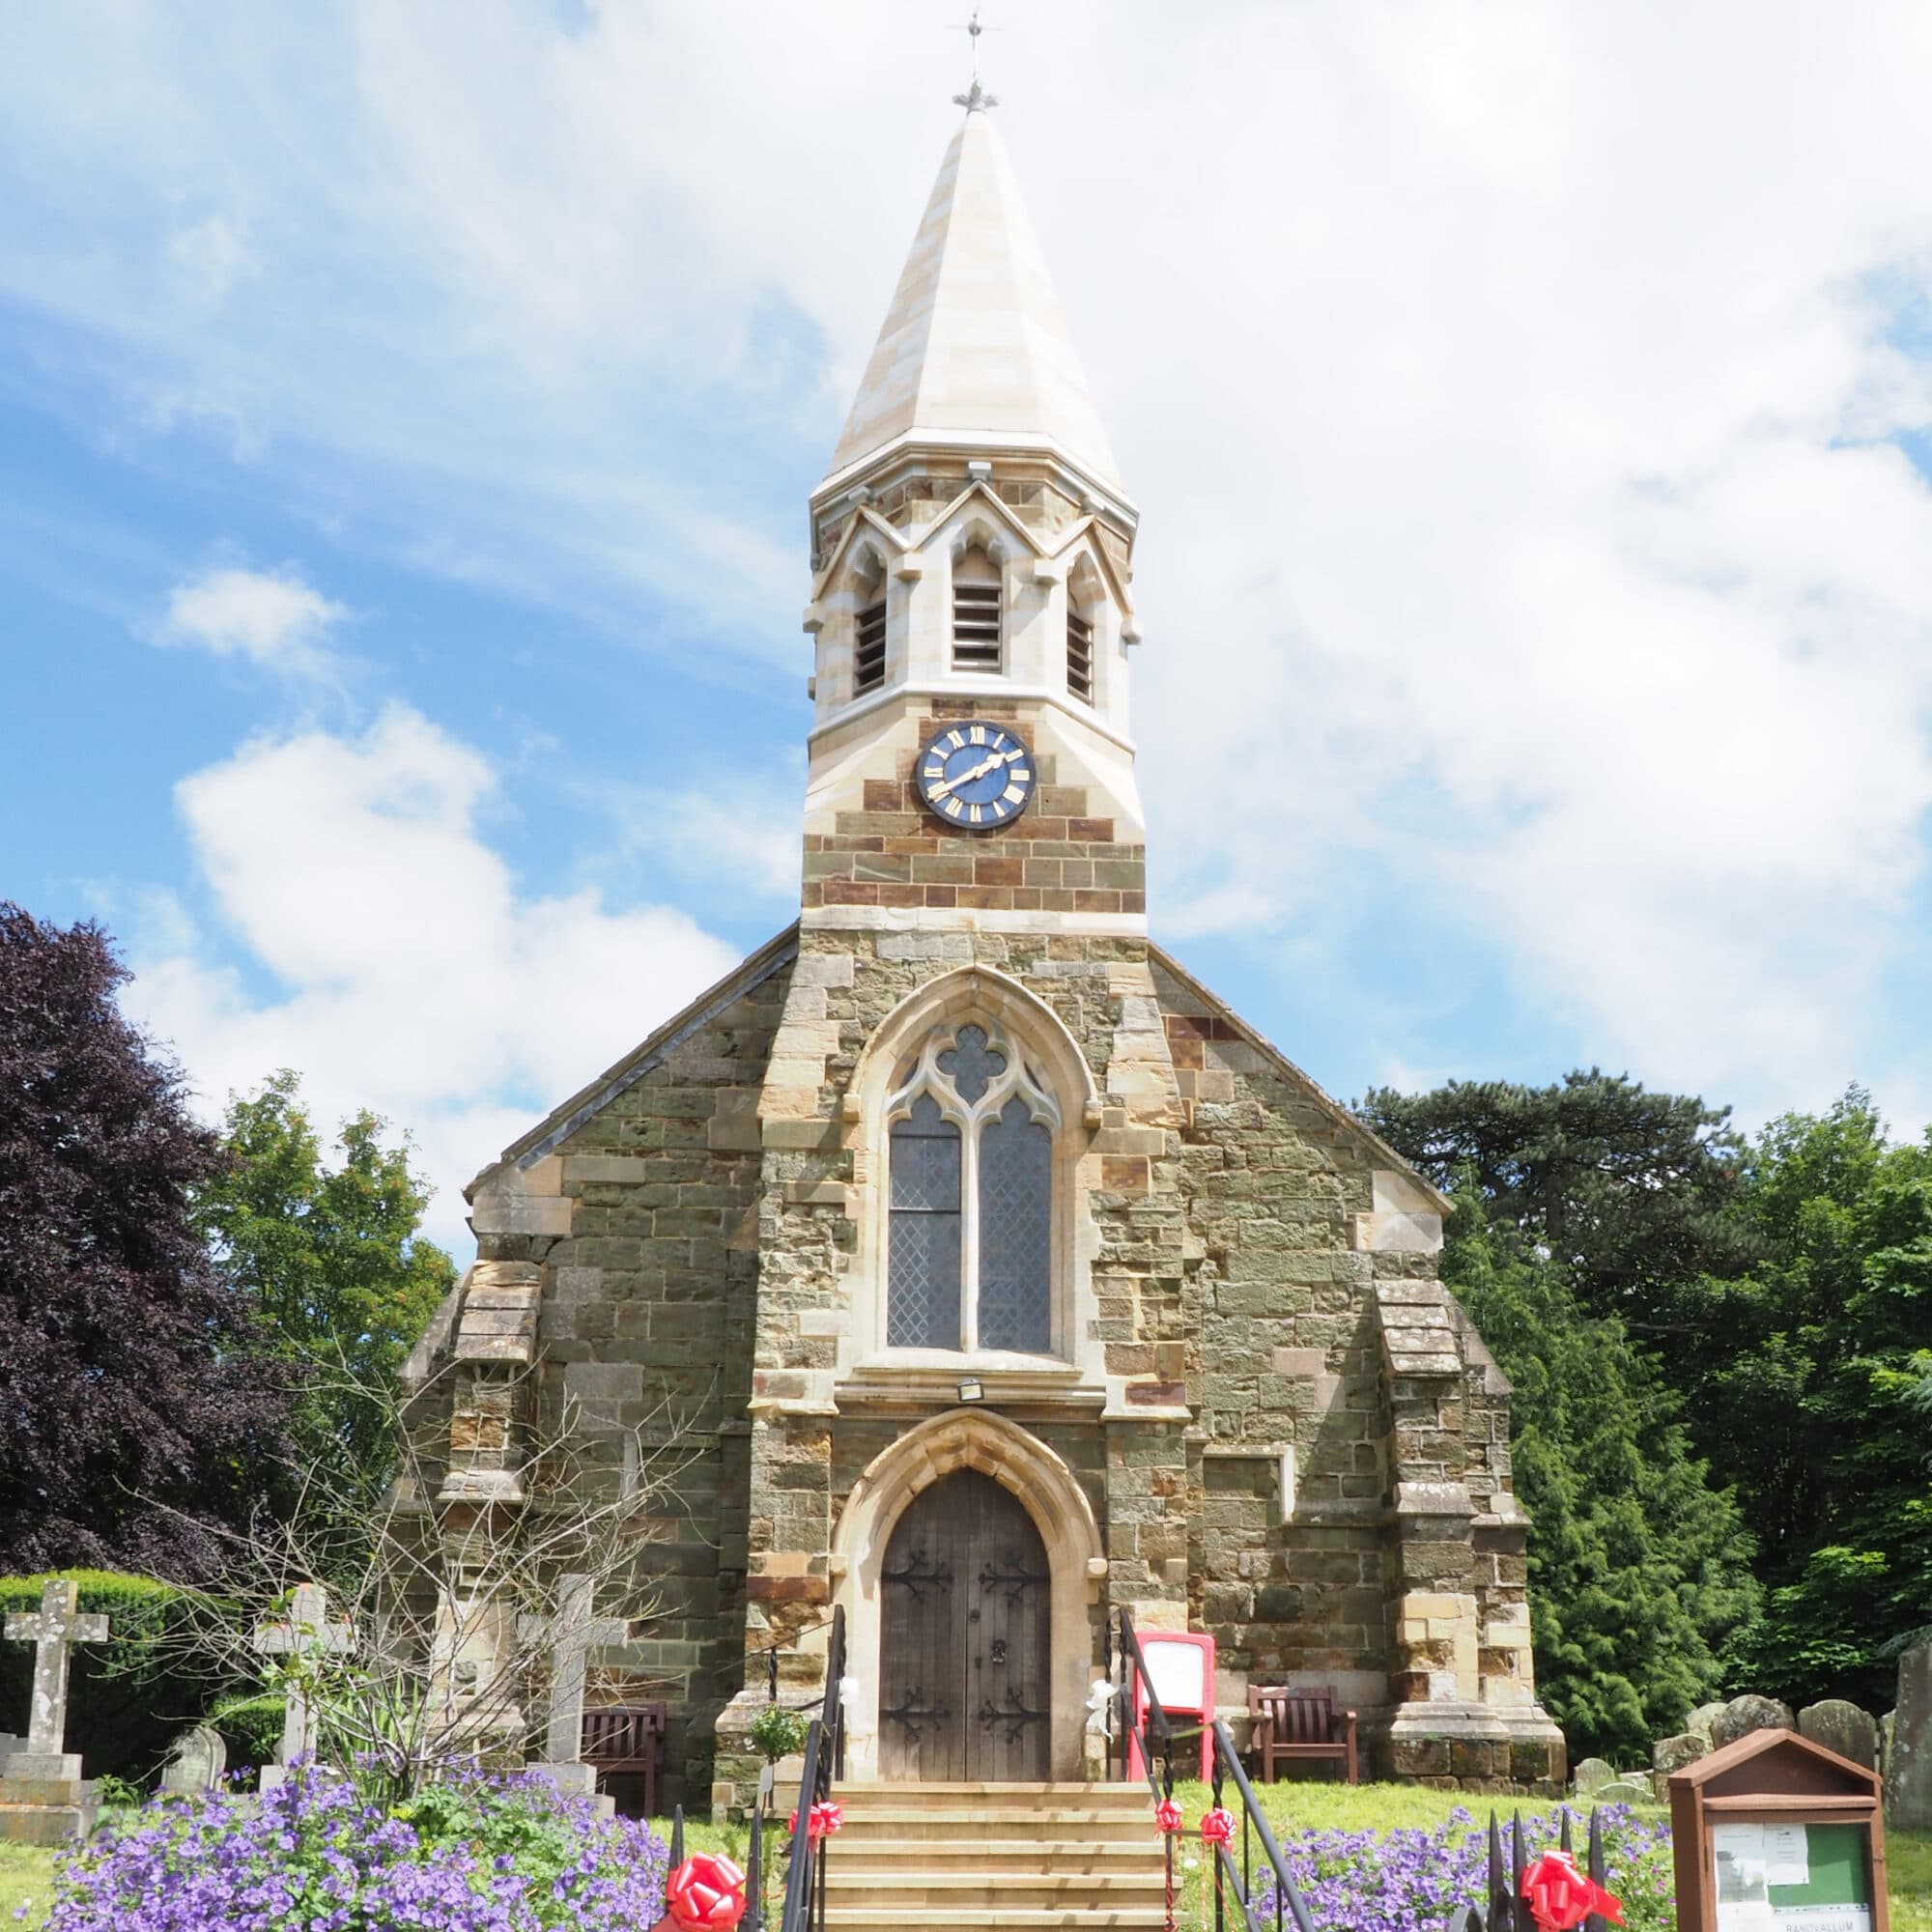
column 1059, row 1510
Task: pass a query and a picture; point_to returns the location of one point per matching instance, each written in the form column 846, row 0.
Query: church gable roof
column 1379, row 1152
column 558, row 1126
column 975, row 345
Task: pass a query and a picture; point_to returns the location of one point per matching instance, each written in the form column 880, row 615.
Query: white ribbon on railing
column 1101, row 1708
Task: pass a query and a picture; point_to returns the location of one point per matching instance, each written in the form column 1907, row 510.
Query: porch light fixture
column 972, row 1389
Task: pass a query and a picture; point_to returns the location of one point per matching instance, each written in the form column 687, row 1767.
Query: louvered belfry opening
column 1079, row 657
column 869, row 664
column 976, row 613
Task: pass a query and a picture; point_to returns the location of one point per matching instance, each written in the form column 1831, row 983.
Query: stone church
column 989, row 1273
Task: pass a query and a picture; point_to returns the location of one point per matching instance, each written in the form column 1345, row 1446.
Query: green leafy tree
column 1640, row 1571
column 331, row 1258
column 1810, row 1372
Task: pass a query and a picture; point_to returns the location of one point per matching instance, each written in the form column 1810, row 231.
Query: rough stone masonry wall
column 845, row 985
column 646, row 1330
column 1284, row 1356
column 1054, row 858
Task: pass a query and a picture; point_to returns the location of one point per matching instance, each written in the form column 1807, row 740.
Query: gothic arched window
column 969, row 1256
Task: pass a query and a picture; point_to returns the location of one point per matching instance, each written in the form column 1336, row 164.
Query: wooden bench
column 628, row 1741
column 1290, row 1724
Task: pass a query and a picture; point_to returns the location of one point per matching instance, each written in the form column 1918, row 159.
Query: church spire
column 974, row 355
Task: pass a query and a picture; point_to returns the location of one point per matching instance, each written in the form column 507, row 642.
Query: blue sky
column 407, row 415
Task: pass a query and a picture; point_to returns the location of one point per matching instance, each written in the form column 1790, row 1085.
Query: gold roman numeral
column 976, row 734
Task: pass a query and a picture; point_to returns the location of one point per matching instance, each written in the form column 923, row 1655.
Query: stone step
column 913, row 1822
column 854, row 1853
column 1068, row 1793
column 948, row 1918
column 983, row 1891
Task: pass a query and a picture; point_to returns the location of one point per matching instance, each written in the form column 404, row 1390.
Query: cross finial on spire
column 976, row 96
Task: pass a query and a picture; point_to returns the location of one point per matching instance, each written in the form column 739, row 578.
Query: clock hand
column 979, row 771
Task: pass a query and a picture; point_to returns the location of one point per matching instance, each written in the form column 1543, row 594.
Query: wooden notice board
column 1775, row 1833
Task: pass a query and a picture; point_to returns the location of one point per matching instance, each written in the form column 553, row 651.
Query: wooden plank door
column 964, row 1643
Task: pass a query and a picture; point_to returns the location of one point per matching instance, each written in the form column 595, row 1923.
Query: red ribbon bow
column 823, row 1819
column 706, row 1893
column 1561, row 1897
column 1167, row 1815
column 1217, row 1826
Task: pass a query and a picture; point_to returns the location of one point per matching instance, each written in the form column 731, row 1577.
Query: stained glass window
column 923, row 1298
column 969, row 1248
column 1015, row 1245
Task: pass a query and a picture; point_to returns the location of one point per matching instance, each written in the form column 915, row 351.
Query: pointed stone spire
column 975, row 353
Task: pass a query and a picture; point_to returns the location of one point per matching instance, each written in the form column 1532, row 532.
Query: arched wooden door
column 964, row 1637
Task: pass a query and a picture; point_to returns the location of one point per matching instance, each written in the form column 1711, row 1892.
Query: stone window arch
column 970, row 1247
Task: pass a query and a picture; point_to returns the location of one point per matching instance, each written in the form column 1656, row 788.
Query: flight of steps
column 995, row 1856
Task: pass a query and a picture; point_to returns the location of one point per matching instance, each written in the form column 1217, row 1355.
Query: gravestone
column 1669, row 1755
column 571, row 1634
column 1590, row 1775
column 197, row 1761
column 1743, row 1716
column 43, row 1800
column 1908, row 1783
column 1634, row 1789
column 1698, row 1723
column 1844, row 1729
column 307, row 1633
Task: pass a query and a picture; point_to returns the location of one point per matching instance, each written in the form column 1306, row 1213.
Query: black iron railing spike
column 1595, row 1921
column 1563, row 1838
column 677, row 1834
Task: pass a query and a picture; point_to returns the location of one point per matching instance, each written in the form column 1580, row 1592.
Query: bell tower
column 972, row 553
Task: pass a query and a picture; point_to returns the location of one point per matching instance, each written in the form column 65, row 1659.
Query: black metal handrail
column 1288, row 1904
column 824, row 1764
column 1157, row 1732
column 1156, row 1735
column 770, row 1653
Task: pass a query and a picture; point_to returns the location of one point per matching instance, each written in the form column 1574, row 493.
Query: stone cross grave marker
column 52, row 1629
column 307, row 1633
column 572, row 1633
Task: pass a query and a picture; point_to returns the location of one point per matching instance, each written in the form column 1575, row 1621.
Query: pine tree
column 1640, row 1571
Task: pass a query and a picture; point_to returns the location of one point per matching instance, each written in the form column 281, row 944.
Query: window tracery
column 969, row 1251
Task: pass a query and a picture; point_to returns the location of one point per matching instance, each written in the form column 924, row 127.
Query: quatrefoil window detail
column 969, row 1249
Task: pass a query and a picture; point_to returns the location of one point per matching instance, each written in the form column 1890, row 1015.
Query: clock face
column 974, row 776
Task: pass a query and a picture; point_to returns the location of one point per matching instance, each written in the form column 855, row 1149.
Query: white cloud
column 272, row 617
column 364, row 932
column 1515, row 393
column 211, row 255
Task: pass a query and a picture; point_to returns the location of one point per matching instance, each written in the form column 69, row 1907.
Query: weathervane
column 977, row 96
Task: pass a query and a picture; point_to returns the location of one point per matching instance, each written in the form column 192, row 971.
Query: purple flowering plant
column 1409, row 1880
column 478, row 1852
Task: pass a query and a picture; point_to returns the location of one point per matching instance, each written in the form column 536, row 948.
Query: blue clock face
column 974, row 776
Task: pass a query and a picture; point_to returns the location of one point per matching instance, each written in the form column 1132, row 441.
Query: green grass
column 26, row 1875
column 1908, row 1857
